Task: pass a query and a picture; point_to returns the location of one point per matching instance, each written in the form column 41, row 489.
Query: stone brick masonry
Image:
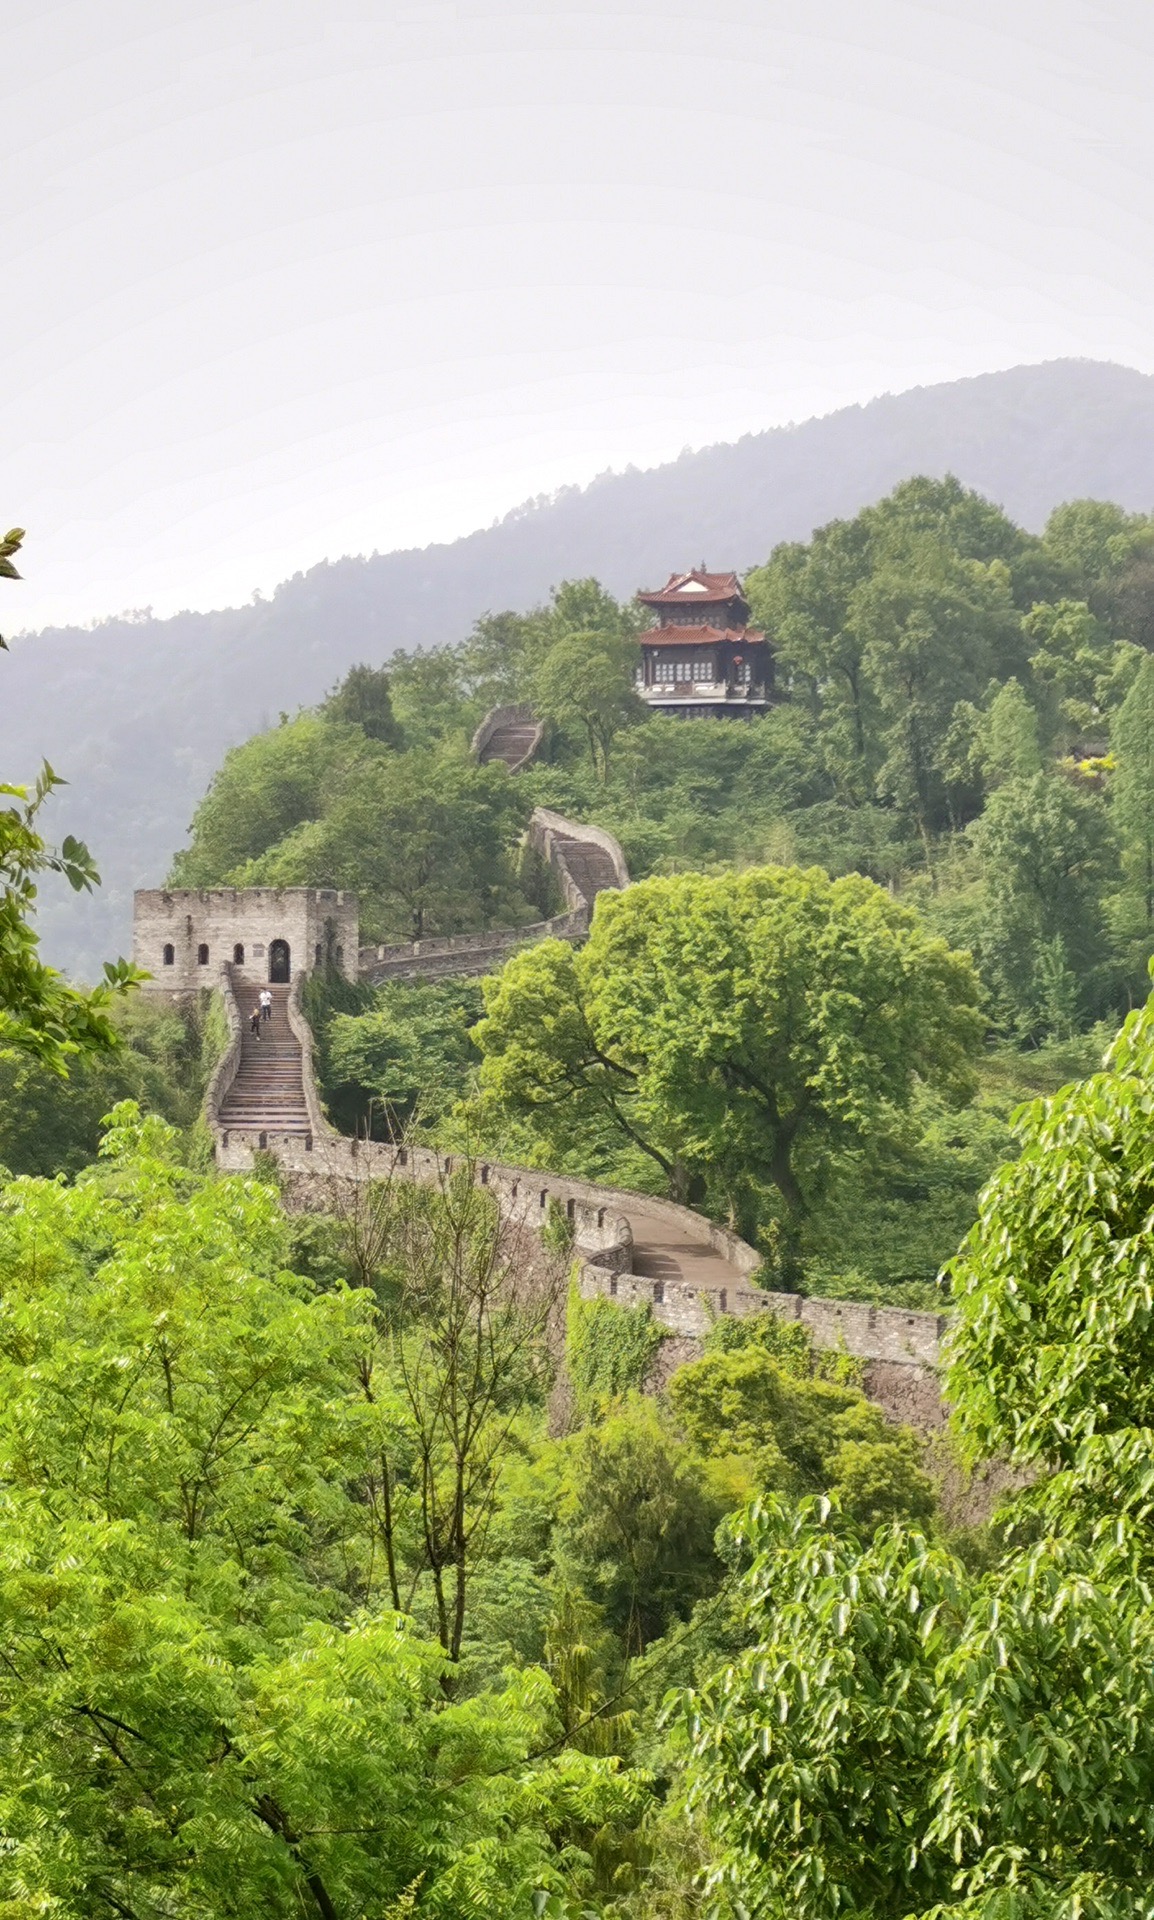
column 183, row 936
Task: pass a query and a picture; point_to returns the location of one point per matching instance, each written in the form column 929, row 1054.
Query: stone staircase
column 590, row 866
column 267, row 1094
column 510, row 743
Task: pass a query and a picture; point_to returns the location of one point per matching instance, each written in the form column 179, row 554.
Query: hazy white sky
column 292, row 278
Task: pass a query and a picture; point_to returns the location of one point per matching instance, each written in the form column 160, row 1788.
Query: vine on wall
column 609, row 1350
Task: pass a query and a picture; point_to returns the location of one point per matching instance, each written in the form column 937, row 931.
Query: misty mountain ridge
column 137, row 712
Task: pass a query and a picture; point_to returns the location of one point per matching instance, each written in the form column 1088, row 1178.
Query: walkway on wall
column 267, row 1095
column 590, row 866
column 671, row 1253
column 513, row 740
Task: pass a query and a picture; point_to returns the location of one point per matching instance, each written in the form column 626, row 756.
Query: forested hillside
column 353, row 1564
column 964, row 743
column 137, row 712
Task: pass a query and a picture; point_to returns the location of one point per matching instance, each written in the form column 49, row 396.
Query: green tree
column 1048, row 857
column 423, row 838
column 409, row 1055
column 462, row 1327
column 262, row 792
column 433, row 696
column 1096, row 543
column 882, row 624
column 905, row 1734
column 584, row 681
column 1132, row 789
column 1009, row 737
column 732, row 1027
column 51, row 1123
column 753, row 1412
column 210, row 1704
column 40, row 1014
column 1079, row 670
column 637, row 1523
column 935, row 628
column 503, row 655
column 363, row 700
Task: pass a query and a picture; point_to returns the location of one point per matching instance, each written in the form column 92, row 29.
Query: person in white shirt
column 265, row 1004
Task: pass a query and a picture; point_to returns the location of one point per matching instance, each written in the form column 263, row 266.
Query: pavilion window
column 202, row 956
column 169, row 956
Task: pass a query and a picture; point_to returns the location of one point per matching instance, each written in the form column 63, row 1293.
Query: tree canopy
column 741, row 1025
column 40, row 1013
column 908, row 1732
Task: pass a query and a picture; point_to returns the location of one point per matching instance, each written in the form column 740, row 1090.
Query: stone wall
column 466, row 954
column 498, row 717
column 884, row 1334
column 202, row 928
column 224, row 1073
column 547, row 834
column 471, row 954
column 900, row 1349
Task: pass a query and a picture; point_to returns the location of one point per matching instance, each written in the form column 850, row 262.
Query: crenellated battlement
column 182, row 936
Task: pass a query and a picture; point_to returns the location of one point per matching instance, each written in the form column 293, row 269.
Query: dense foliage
column 305, row 1608
column 966, row 718
column 740, row 1031
column 908, row 1734
column 341, row 1577
column 40, row 1014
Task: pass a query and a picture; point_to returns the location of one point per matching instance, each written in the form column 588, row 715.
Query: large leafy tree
column 363, row 700
column 1132, row 791
column 749, row 1025
column 906, row 1735
column 210, row 1704
column 424, row 838
column 40, row 1014
column 263, row 791
column 584, row 682
column 1048, row 857
column 883, row 624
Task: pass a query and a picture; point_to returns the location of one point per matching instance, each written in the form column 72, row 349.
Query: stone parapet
column 603, row 1241
column 183, row 935
column 496, row 720
column 225, row 1071
column 547, row 833
column 464, row 954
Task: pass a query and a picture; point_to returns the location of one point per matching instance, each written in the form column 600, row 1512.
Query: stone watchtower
column 183, row 936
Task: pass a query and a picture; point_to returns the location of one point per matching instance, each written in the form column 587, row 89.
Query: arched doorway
column 278, row 962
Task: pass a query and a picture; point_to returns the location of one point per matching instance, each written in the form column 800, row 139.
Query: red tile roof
column 699, row 636
column 698, row 587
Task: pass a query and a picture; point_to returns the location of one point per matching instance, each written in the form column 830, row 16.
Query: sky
column 289, row 279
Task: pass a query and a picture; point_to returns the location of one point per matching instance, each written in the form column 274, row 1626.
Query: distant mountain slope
column 138, row 714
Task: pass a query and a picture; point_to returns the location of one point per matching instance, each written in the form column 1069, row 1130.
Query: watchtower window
column 202, row 956
column 238, row 955
column 169, row 955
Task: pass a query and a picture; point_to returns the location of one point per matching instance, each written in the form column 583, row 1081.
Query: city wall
column 465, row 953
column 900, row 1349
column 498, row 717
column 472, row 954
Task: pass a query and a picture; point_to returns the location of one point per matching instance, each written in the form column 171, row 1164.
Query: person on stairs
column 254, row 1020
column 265, row 1004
